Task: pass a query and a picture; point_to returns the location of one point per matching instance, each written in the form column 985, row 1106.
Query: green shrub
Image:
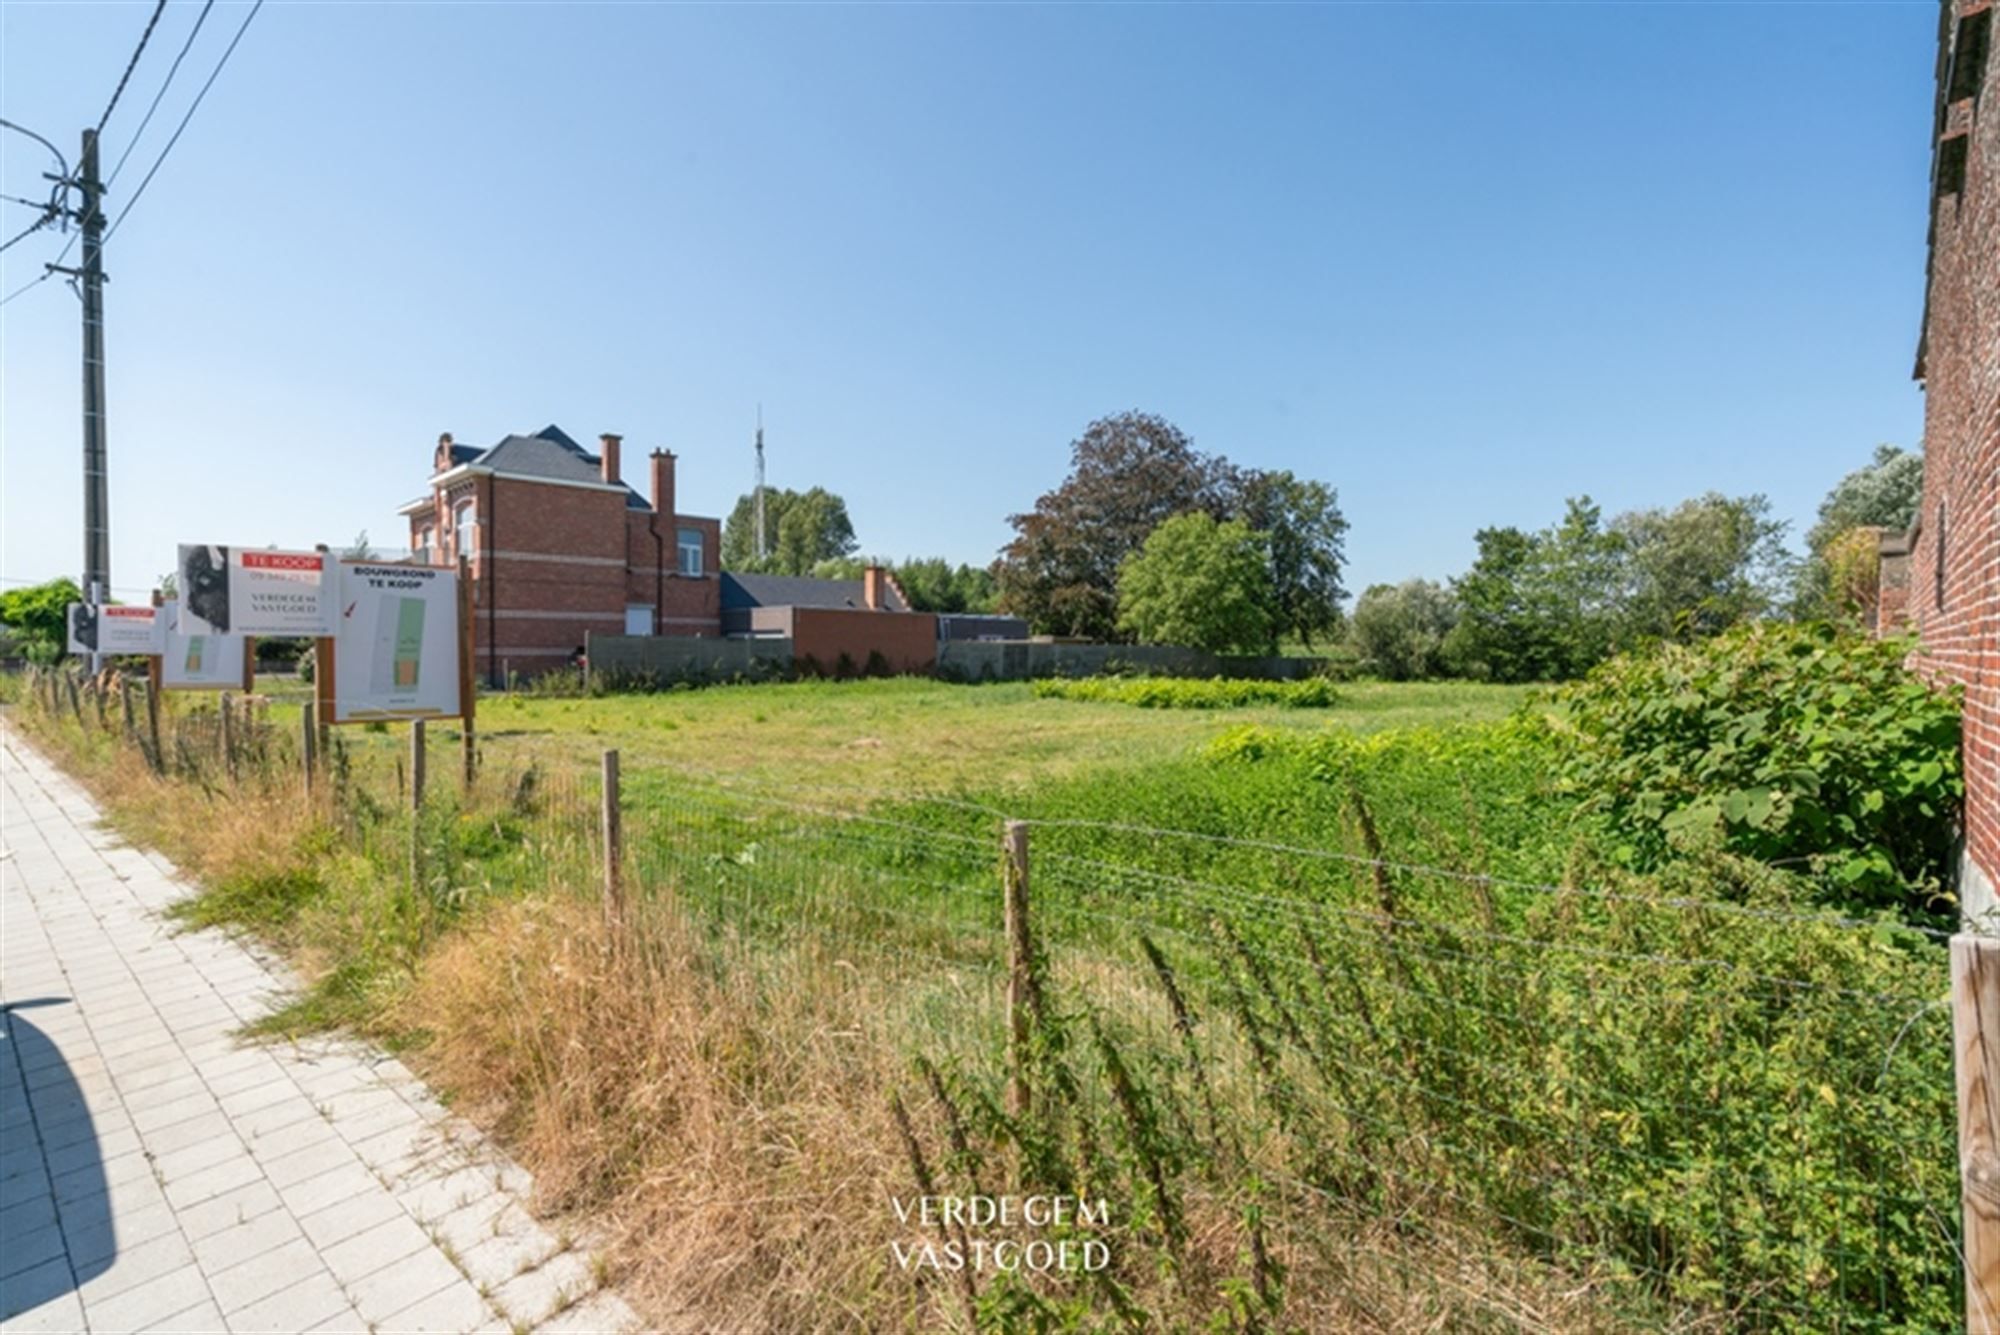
column 1179, row 693
column 1809, row 746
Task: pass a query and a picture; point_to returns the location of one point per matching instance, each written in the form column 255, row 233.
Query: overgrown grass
column 1374, row 1039
column 1185, row 693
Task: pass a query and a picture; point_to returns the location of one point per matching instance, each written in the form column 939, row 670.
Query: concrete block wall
column 673, row 657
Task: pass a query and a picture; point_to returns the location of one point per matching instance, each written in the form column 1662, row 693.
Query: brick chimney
column 873, row 582
column 442, row 459
column 608, row 454
column 663, row 484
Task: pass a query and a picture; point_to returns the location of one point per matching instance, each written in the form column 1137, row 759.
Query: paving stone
column 375, row 1248
column 157, row 1171
column 264, row 1274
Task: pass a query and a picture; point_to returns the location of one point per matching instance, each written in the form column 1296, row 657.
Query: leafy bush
column 1178, row 693
column 1805, row 745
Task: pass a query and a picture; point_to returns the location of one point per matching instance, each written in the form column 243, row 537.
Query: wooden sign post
column 1975, row 1012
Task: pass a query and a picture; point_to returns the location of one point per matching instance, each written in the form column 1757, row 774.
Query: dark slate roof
column 547, row 454
column 740, row 591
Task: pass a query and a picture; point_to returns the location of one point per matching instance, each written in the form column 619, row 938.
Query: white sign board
column 112, row 630
column 395, row 650
column 198, row 662
column 252, row 591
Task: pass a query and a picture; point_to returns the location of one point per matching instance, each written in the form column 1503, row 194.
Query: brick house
column 560, row 546
column 1953, row 593
column 834, row 625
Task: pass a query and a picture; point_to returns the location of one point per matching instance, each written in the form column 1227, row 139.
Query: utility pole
column 96, row 497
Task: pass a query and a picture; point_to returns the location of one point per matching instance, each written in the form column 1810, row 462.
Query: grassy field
column 1342, row 1008
column 909, row 734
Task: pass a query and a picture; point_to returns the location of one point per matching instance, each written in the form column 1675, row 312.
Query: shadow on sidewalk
column 60, row 1232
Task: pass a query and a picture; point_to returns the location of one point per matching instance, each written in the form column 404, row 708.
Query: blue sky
column 1458, row 261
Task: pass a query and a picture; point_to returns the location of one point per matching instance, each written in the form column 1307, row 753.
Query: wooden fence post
column 153, row 724
column 308, row 751
column 417, row 750
column 75, row 700
column 228, row 711
column 1975, row 1013
column 468, row 680
column 125, row 708
column 97, row 691
column 1022, row 997
column 614, row 847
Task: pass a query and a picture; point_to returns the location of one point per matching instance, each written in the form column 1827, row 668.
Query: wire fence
column 1332, row 1084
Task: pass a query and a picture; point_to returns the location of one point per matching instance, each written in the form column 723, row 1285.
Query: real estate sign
column 112, row 630
column 395, row 647
column 198, row 661
column 254, row 591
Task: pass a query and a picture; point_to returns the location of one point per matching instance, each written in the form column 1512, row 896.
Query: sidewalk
column 158, row 1173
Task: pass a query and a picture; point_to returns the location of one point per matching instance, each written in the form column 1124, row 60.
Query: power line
column 165, row 84
column 132, row 64
column 192, row 108
column 62, row 161
column 32, row 282
column 28, row 231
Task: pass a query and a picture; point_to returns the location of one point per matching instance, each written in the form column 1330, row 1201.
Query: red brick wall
column 553, row 563
column 1955, row 601
column 688, row 605
column 907, row 640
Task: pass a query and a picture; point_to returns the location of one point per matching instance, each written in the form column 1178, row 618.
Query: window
column 423, row 552
column 1968, row 55
column 690, row 549
column 462, row 539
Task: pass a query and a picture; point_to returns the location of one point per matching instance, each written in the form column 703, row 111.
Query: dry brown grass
column 724, row 1121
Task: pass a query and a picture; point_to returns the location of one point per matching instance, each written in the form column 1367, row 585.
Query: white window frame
column 465, row 519
column 684, row 549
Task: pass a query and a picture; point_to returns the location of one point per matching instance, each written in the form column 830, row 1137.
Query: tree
column 1701, row 567
column 1198, row 583
column 1399, row 630
column 802, row 529
column 1539, row 606
column 933, row 584
column 1882, row 494
column 39, row 617
column 1128, row 474
column 359, row 549
column 1306, row 533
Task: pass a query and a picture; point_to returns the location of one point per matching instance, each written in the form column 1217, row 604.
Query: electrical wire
column 132, row 64
column 28, row 231
column 62, row 161
column 165, row 84
column 192, row 108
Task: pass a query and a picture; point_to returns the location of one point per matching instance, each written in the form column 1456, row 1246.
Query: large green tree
column 1304, row 534
column 1539, row 606
column 1399, row 630
column 1703, row 566
column 802, row 529
column 1198, row 583
column 1128, row 474
column 38, row 617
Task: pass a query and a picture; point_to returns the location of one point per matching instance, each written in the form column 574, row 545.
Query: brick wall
column 1954, row 586
column 906, row 640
